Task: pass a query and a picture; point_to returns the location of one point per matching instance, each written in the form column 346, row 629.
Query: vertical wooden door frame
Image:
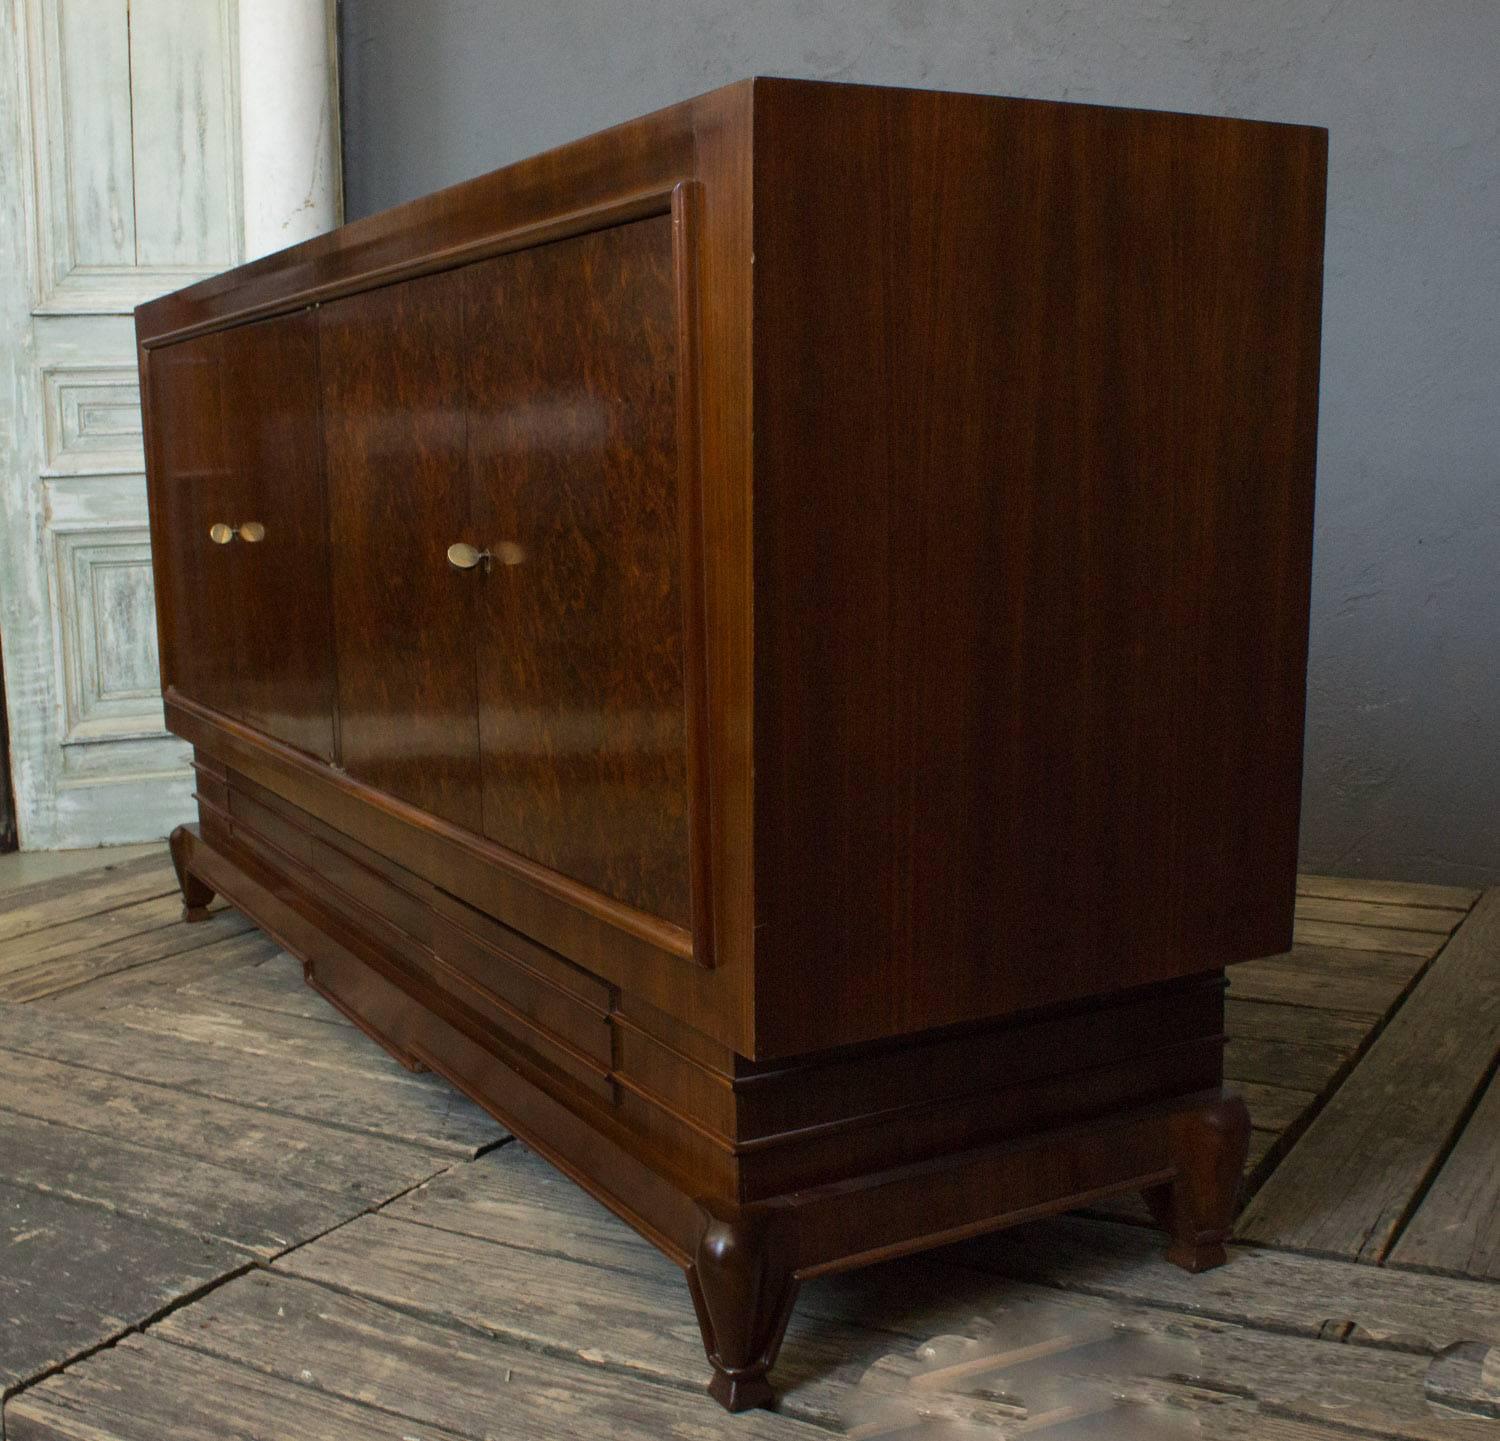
column 9, row 840
column 98, row 219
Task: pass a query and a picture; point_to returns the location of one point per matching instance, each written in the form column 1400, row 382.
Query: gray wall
column 1403, row 748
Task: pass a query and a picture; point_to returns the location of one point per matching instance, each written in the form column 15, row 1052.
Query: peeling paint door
column 119, row 180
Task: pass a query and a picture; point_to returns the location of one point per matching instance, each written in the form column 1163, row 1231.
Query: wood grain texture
column 1055, row 370
column 1353, row 982
column 274, row 985
column 57, row 960
column 273, row 435
column 254, row 1213
column 421, row 1112
column 420, row 1369
column 76, row 1275
column 1265, row 1288
column 1456, row 1228
column 146, row 1390
column 1345, row 1187
column 1432, row 919
column 395, row 427
column 572, row 425
column 192, row 488
column 140, row 984
column 1400, row 893
column 303, row 1155
column 74, row 898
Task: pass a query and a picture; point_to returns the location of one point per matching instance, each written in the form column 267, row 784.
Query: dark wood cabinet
column 776, row 659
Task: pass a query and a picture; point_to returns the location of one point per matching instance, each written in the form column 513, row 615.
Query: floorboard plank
column 434, row 1375
column 80, row 883
column 76, row 966
column 259, row 1215
column 1358, row 983
column 1275, row 1108
column 1399, row 893
column 149, row 983
column 1304, row 1025
column 516, row 1199
column 1345, row 1188
column 74, row 1276
column 278, row 1036
column 1284, row 1063
column 1457, row 1227
column 73, row 898
column 1431, row 919
column 422, row 1110
column 1366, row 938
column 303, row 1154
column 636, row 1319
column 148, row 1390
column 275, row 986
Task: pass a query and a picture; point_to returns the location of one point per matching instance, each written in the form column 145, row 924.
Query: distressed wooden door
column 119, row 179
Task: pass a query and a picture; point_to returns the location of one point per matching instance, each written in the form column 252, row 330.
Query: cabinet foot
column 1197, row 1208
column 744, row 1289
column 197, row 896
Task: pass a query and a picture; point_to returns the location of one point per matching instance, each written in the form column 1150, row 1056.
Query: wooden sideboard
column 767, row 646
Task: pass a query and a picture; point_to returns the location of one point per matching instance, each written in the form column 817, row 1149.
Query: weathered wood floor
column 227, row 1214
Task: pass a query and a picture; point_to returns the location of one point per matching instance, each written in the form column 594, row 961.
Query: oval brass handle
column 252, row 532
column 463, row 556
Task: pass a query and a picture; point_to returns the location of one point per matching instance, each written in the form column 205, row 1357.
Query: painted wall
column 1403, row 750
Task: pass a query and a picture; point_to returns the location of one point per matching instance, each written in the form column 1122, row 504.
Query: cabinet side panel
column 394, row 428
column 1035, row 392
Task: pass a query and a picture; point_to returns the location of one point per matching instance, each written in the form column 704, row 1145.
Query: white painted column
column 289, row 126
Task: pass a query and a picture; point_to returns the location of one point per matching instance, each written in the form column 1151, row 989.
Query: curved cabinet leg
column 196, row 895
column 1197, row 1209
column 744, row 1289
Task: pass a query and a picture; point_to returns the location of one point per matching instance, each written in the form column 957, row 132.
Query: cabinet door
column 272, row 433
column 192, row 489
column 393, row 417
column 573, row 452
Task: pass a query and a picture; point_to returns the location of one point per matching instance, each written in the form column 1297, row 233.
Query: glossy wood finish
column 238, row 439
column 395, row 427
column 572, row 424
column 1035, row 400
column 273, row 435
column 827, row 837
column 193, row 487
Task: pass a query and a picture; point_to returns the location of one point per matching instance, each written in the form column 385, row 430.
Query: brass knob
column 463, row 556
column 220, row 533
column 252, row 532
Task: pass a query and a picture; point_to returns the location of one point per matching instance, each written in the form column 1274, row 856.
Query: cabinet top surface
column 553, row 193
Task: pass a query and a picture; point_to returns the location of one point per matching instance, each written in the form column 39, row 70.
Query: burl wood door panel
column 272, row 435
column 572, row 374
column 193, row 488
column 393, row 414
